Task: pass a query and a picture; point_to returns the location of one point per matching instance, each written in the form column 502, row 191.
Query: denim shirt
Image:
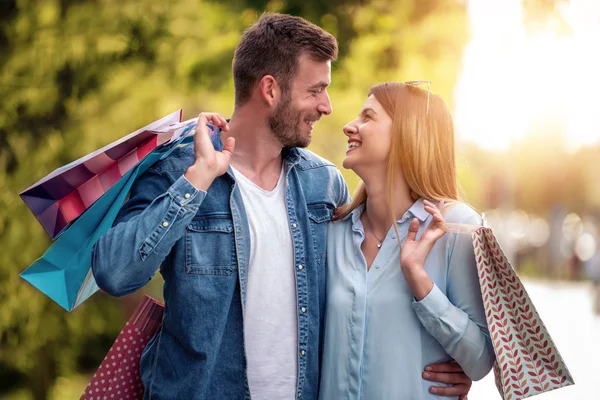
column 200, row 241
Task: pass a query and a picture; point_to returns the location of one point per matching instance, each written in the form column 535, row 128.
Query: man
column 240, row 237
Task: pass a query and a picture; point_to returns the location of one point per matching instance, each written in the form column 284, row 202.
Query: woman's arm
column 456, row 320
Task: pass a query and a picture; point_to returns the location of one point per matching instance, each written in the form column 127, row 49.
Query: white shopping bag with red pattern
column 527, row 361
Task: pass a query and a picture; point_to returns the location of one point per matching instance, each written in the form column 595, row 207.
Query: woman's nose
column 350, row 129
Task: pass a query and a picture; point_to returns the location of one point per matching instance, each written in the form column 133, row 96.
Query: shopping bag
column 63, row 195
column 527, row 360
column 64, row 272
column 118, row 376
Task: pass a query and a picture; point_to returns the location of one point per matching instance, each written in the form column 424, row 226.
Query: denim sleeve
column 343, row 190
column 457, row 321
column 154, row 218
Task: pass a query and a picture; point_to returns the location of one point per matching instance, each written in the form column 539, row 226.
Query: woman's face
column 369, row 139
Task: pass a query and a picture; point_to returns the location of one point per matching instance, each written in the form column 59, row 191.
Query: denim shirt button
column 303, row 309
column 299, row 394
column 187, row 195
column 302, row 352
column 300, row 266
column 165, row 224
column 294, row 225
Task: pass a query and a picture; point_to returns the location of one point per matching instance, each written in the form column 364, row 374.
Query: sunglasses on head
column 418, row 83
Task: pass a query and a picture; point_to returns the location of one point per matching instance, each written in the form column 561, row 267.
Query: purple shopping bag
column 63, row 195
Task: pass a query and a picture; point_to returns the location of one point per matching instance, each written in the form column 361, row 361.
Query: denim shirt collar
column 291, row 155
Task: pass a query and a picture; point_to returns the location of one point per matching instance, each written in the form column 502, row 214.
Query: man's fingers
column 213, row 118
column 229, row 146
column 444, row 367
column 217, row 120
column 456, row 390
column 450, row 373
column 202, row 133
column 454, row 378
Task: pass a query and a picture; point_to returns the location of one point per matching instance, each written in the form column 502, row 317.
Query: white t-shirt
column 271, row 317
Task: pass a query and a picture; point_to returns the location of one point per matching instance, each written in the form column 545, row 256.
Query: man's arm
column 126, row 257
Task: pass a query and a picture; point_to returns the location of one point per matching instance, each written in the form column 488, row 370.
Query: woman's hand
column 209, row 163
column 414, row 252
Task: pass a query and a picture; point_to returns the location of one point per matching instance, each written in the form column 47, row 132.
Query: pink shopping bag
column 66, row 193
column 118, row 377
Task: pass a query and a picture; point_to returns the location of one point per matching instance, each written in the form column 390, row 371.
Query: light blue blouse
column 378, row 339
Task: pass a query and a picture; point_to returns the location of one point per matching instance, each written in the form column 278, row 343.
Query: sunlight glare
column 514, row 82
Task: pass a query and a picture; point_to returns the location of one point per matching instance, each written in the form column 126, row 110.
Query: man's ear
column 269, row 89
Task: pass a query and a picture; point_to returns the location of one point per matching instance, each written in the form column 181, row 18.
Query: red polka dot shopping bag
column 527, row 360
column 118, row 377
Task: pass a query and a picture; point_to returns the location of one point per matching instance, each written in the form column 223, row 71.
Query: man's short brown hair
column 272, row 45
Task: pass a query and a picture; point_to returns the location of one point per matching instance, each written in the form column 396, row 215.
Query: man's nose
column 325, row 107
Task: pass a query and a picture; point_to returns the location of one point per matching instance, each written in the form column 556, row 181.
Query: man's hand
column 451, row 373
column 209, row 163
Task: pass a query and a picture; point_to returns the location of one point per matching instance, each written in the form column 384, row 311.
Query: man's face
column 302, row 104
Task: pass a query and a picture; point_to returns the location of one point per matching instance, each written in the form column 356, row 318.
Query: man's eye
column 316, row 92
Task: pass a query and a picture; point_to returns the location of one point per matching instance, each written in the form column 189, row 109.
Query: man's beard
column 285, row 124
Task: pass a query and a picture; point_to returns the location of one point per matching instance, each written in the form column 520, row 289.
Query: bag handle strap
column 466, row 228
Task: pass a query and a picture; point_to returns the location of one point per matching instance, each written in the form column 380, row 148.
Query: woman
column 390, row 313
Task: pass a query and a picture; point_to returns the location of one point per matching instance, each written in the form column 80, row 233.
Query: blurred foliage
column 78, row 74
column 542, row 14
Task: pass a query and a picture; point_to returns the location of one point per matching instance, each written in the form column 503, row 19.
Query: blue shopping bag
column 64, row 272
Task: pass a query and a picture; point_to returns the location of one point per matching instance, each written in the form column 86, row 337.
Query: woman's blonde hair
column 422, row 145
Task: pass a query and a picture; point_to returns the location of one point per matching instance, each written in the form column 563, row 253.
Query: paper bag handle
column 466, row 228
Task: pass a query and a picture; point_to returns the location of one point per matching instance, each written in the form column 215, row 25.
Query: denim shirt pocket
column 210, row 246
column 319, row 214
